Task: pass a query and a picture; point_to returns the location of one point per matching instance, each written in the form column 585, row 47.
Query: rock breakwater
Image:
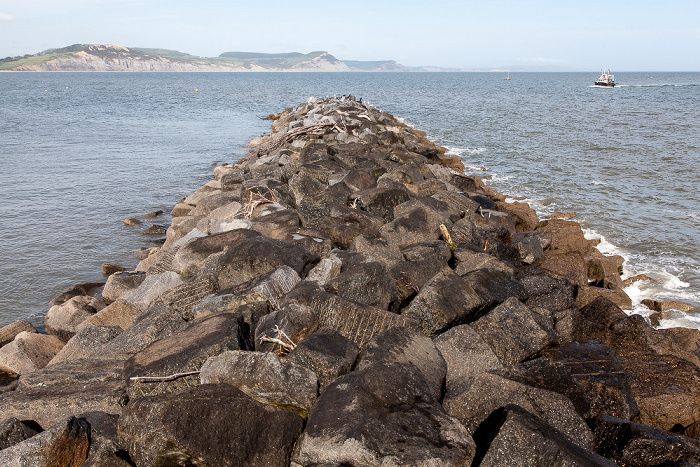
column 347, row 295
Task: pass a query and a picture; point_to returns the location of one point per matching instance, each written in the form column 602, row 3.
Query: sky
column 566, row 35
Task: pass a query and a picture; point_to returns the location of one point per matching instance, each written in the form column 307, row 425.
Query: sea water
column 80, row 152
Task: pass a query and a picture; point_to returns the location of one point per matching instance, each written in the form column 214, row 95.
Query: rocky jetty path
column 346, row 295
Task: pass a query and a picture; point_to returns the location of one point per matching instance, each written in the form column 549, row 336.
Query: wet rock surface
column 348, row 295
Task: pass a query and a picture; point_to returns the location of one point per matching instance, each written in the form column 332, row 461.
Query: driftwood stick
column 160, row 379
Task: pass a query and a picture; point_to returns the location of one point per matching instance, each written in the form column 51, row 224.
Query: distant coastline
column 81, row 57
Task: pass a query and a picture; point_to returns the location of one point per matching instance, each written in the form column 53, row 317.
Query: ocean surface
column 80, row 152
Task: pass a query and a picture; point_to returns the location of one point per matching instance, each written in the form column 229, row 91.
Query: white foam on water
column 496, row 178
column 464, row 151
column 605, row 247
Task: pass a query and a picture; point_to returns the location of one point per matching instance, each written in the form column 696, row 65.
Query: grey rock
column 546, row 291
column 486, row 392
column 63, row 320
column 414, row 429
column 326, row 270
column 356, row 321
column 599, row 372
column 629, row 443
column 529, row 246
column 466, row 354
column 514, row 436
column 66, row 444
column 186, row 351
column 513, row 331
column 471, row 259
column 232, row 429
column 13, row 431
column 153, row 286
column 85, row 341
column 402, row 345
column 121, row 282
column 326, row 353
column 296, row 321
column 156, row 322
column 444, row 301
column 415, row 226
column 66, row 389
column 190, row 257
column 254, row 257
column 28, row 352
column 9, row 332
column 265, row 377
column 366, row 283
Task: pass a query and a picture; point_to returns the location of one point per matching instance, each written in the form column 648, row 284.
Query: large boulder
column 469, row 259
column 567, row 236
column 368, row 283
column 9, row 332
column 418, row 225
column 495, row 286
column 545, row 291
column 514, row 332
column 121, row 282
column 63, row 320
column 356, row 321
column 65, row 444
column 629, row 443
column 185, row 352
column 326, row 353
column 118, row 313
column 380, row 201
column 231, row 429
column 597, row 369
column 390, row 417
column 289, row 325
column 190, row 257
column 269, row 288
column 513, row 436
column 254, row 257
column 529, row 246
column 569, row 265
column 156, row 322
column 28, row 352
column 473, row 401
column 65, row 389
column 444, row 301
column 153, row 286
column 265, row 377
column 466, row 355
column 13, row 431
column 524, row 216
column 402, row 345
column 666, row 388
column 85, row 341
column 378, row 250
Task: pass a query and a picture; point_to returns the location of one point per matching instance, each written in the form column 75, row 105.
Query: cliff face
column 119, row 58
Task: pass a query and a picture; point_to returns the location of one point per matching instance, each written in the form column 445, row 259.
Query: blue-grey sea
column 79, row 152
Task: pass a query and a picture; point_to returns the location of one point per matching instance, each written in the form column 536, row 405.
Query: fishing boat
column 606, row 80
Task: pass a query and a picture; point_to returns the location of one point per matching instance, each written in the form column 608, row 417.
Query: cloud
column 541, row 60
column 5, row 17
